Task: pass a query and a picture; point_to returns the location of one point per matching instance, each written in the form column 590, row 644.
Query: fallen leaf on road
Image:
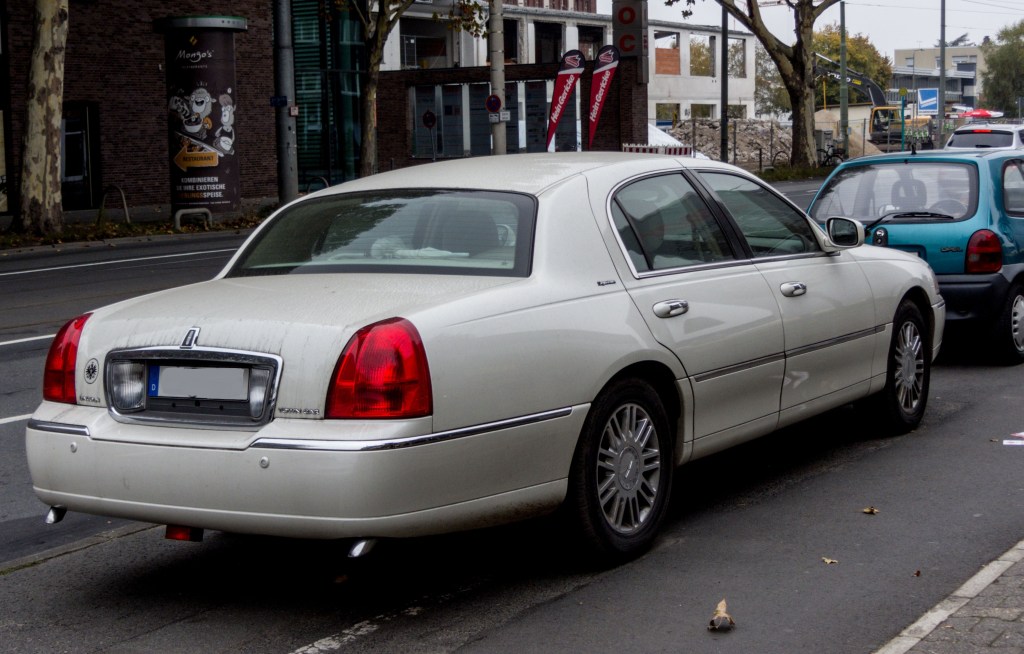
column 828, row 561
column 721, row 621
column 870, row 510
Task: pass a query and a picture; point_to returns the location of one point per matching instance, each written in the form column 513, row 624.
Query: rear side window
column 1013, row 188
column 904, row 190
column 664, row 224
column 404, row 231
column 771, row 226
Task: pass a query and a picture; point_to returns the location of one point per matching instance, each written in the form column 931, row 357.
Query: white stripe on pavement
column 26, row 340
column 108, row 263
column 7, row 421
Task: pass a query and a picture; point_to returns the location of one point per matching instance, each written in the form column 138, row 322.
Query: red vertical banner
column 568, row 73
column 600, row 85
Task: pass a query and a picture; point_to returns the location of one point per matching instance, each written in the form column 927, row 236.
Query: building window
column 328, row 59
column 666, row 112
column 558, row 5
column 549, row 42
column 737, row 58
column 511, row 35
column 591, row 39
column 424, row 43
column 702, row 56
column 666, row 53
column 586, row 6
column 738, row 111
column 702, row 110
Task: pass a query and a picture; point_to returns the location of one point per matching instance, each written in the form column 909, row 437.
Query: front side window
column 664, row 224
column 902, row 191
column 405, row 231
column 770, row 225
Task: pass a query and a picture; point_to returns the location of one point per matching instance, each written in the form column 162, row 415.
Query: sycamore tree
column 794, row 60
column 379, row 19
column 861, row 56
column 41, row 211
column 1003, row 79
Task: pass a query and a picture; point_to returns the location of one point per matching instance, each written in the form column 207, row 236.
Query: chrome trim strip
column 839, row 340
column 410, row 441
column 746, row 365
column 200, row 353
column 773, row 358
column 59, row 428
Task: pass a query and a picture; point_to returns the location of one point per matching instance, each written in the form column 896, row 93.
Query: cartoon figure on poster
column 194, row 112
column 224, row 137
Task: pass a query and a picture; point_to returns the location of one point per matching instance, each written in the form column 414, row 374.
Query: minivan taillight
column 984, row 253
column 382, row 373
column 59, row 372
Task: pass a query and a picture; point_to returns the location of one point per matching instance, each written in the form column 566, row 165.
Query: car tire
column 621, row 474
column 902, row 402
column 1008, row 331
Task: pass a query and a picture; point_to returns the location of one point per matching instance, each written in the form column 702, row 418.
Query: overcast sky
column 888, row 24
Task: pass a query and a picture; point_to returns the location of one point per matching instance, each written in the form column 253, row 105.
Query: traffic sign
column 429, row 119
column 493, row 104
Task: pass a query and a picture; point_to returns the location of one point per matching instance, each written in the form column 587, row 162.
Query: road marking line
column 107, row 263
column 928, row 622
column 26, row 340
column 6, row 421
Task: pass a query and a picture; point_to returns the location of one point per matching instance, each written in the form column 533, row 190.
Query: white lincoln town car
column 472, row 342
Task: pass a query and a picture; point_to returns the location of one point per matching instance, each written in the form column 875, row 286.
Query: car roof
column 965, row 154
column 530, row 173
column 970, row 127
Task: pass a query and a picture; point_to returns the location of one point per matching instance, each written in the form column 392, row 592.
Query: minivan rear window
column 983, row 138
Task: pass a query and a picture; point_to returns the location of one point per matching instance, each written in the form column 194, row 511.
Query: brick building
column 115, row 97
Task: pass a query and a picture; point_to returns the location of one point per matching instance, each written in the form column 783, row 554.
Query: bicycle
column 831, row 156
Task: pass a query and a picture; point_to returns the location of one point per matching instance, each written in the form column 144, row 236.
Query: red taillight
column 59, row 373
column 984, row 253
column 381, row 374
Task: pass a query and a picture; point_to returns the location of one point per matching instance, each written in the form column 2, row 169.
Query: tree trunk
column 41, row 211
column 368, row 125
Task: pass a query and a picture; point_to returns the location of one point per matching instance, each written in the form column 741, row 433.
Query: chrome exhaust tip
column 55, row 514
column 361, row 548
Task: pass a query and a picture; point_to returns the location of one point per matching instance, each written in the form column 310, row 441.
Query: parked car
column 477, row 341
column 963, row 213
column 986, row 135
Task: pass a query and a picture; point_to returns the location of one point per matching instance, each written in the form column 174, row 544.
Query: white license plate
column 199, row 383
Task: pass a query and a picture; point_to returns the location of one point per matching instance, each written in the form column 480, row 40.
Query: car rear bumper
column 293, row 482
column 973, row 298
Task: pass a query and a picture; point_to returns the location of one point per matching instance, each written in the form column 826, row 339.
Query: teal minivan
column 963, row 213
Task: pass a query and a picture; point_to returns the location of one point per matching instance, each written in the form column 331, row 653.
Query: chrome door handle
column 669, row 308
column 793, row 289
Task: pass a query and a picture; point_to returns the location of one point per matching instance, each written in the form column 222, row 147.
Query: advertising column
column 201, row 111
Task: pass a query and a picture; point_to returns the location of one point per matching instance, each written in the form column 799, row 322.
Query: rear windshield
column 404, row 231
column 904, row 190
column 981, row 139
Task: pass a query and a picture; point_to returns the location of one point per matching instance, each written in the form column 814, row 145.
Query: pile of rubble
column 751, row 142
column 755, row 144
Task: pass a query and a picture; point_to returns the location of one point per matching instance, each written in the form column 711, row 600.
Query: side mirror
column 844, row 232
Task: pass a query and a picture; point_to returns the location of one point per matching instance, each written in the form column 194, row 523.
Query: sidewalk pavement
column 984, row 616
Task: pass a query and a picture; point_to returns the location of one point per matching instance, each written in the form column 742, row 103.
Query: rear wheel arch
column 661, row 378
